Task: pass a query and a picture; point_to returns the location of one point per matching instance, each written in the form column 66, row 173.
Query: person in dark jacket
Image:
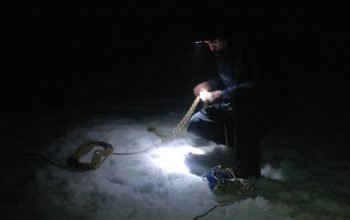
column 233, row 113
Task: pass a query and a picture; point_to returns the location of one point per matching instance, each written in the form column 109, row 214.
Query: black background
column 74, row 57
column 63, row 65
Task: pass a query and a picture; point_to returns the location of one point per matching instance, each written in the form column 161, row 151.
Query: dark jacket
column 235, row 69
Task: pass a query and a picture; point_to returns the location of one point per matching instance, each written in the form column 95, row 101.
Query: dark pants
column 244, row 129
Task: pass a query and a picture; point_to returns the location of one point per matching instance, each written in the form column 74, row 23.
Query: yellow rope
column 171, row 135
column 101, row 155
column 98, row 158
column 235, row 187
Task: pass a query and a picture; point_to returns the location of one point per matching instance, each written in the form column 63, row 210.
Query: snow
column 302, row 179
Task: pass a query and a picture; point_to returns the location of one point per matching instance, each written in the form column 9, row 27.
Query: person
column 232, row 115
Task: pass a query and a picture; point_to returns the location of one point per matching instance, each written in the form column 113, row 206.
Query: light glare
column 172, row 159
column 204, row 95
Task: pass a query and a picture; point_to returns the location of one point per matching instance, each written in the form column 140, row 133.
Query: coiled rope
column 99, row 156
column 73, row 162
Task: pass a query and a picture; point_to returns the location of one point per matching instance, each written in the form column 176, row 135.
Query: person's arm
column 215, row 83
column 212, row 84
column 226, row 93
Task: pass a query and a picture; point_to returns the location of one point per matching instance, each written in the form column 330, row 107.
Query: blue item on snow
column 217, row 175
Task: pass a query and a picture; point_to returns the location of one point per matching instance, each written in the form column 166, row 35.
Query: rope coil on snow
column 101, row 155
column 98, row 158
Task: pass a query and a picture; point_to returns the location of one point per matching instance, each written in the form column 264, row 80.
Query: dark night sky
column 62, row 57
column 63, row 66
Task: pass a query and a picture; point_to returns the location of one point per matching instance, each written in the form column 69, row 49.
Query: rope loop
column 97, row 159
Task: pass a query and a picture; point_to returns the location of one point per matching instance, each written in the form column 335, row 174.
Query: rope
column 237, row 188
column 73, row 163
column 171, row 135
column 99, row 156
column 212, row 209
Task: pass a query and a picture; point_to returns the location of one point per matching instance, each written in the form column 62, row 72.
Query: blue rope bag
column 217, row 176
column 223, row 181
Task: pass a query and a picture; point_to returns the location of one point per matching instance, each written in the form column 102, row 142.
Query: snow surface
column 302, row 178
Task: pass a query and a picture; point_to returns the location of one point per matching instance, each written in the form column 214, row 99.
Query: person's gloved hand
column 214, row 96
column 201, row 86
